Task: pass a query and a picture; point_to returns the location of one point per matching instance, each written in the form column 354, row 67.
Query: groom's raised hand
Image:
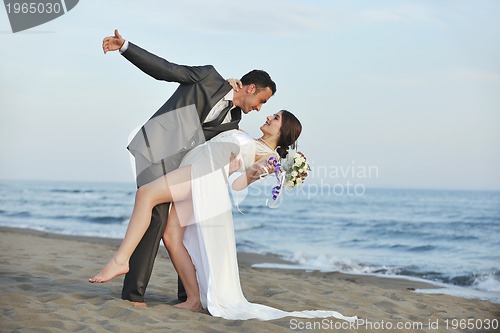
column 112, row 43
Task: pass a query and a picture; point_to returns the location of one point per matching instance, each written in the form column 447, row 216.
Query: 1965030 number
column 33, row 8
column 472, row 324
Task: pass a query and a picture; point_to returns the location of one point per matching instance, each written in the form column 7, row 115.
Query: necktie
column 236, row 114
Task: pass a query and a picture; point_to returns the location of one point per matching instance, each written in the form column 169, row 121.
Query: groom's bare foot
column 189, row 305
column 139, row 305
column 112, row 269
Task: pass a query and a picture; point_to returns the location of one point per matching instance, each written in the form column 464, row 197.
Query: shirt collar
column 229, row 96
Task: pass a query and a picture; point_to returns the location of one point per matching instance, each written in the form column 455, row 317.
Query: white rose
column 299, row 181
column 294, row 173
column 290, row 183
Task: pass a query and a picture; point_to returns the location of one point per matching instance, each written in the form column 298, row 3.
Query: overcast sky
column 411, row 88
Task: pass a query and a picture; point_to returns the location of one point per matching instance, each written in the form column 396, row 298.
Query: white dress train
column 209, row 235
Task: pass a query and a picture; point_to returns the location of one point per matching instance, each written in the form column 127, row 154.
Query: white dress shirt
column 219, row 106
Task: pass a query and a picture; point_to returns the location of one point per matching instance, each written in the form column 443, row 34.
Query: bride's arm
column 235, row 83
column 256, row 171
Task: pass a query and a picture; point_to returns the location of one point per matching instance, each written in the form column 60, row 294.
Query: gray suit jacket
column 176, row 127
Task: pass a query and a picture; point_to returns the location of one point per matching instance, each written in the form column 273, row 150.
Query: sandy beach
column 44, row 289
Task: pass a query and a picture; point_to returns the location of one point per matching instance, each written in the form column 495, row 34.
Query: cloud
column 472, row 75
column 277, row 17
column 466, row 75
column 393, row 80
column 409, row 13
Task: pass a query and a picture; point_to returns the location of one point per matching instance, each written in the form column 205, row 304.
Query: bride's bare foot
column 112, row 269
column 194, row 306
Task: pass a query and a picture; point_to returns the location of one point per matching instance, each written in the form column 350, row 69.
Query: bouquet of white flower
column 296, row 168
column 291, row 172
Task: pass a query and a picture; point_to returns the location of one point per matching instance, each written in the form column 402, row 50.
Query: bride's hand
column 235, row 83
column 256, row 171
column 234, row 165
column 263, row 168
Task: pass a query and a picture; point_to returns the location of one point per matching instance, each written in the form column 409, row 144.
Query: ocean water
column 448, row 237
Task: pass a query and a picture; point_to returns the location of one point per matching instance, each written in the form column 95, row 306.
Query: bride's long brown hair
column 289, row 133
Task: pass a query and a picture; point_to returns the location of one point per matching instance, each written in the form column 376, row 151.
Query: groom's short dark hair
column 261, row 80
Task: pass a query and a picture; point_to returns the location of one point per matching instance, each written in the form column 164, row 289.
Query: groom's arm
column 162, row 69
column 153, row 65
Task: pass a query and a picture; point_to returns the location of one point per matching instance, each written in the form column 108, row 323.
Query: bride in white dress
column 199, row 235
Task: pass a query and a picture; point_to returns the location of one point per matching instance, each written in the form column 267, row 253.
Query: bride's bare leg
column 172, row 238
column 147, row 196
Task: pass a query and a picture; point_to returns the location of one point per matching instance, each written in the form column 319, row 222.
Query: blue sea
column 448, row 237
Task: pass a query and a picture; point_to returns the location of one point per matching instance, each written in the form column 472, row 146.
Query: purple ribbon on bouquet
column 276, row 190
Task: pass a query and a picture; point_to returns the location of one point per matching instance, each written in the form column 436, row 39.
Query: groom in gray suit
column 203, row 97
